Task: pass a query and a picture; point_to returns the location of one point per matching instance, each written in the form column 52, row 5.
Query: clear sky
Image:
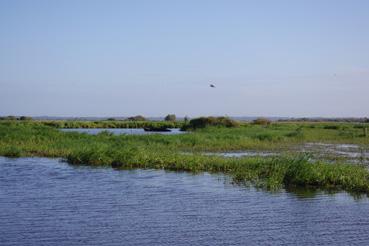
column 120, row 58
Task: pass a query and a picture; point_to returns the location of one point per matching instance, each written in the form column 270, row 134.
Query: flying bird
column 212, row 86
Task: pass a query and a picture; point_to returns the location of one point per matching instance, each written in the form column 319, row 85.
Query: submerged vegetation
column 184, row 152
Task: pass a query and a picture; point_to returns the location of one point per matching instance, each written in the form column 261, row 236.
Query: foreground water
column 44, row 201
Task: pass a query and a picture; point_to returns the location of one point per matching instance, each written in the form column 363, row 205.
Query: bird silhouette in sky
column 212, row 86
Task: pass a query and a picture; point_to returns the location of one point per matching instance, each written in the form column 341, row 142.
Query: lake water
column 118, row 131
column 47, row 202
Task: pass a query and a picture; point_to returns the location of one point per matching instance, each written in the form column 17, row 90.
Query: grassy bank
column 171, row 152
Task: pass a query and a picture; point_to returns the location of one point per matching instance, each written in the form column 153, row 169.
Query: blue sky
column 118, row 58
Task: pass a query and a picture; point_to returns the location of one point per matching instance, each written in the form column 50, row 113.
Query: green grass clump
column 299, row 172
column 270, row 173
column 12, row 152
column 90, row 156
column 339, row 176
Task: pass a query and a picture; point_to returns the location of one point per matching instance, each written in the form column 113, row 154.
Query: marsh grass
column 166, row 152
column 12, row 152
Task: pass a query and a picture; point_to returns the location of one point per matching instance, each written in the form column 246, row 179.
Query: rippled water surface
column 44, row 202
column 118, row 131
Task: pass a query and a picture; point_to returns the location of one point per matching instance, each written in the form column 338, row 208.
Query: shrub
column 136, row 118
column 170, row 117
column 25, row 118
column 203, row 122
column 261, row 121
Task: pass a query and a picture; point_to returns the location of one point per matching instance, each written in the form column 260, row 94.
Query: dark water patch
column 119, row 131
column 44, row 201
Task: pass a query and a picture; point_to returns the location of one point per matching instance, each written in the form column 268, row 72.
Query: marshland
column 213, row 178
column 184, row 122
column 264, row 154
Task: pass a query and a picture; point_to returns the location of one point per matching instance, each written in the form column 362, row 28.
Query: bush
column 203, row 122
column 25, row 118
column 170, row 117
column 261, row 121
column 136, row 118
